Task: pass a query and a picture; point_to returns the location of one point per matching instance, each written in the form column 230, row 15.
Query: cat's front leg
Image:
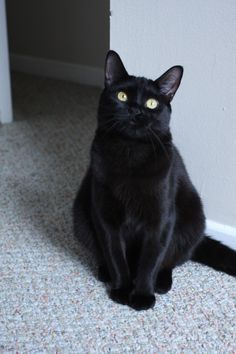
column 121, row 283
column 142, row 296
column 108, row 216
column 116, row 264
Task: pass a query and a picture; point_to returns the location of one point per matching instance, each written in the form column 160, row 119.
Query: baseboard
column 82, row 74
column 224, row 233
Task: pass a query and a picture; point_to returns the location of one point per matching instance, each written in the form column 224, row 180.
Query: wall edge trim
column 222, row 232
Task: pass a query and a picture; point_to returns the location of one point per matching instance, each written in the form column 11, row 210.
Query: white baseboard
column 224, row 233
column 82, row 74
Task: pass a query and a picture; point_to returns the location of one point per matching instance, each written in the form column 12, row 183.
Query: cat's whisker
column 114, row 114
column 160, row 142
column 153, row 145
column 107, row 123
column 110, row 128
column 105, row 109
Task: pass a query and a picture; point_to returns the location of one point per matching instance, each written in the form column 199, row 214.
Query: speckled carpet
column 50, row 300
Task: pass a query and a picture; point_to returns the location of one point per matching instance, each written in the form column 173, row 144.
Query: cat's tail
column 215, row 255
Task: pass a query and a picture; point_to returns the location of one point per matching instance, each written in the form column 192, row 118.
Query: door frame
column 6, row 112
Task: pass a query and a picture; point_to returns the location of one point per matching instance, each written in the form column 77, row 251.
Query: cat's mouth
column 137, row 121
column 134, row 129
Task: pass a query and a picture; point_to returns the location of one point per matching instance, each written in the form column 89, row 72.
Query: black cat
column 137, row 209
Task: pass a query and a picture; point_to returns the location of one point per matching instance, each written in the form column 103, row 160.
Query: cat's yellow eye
column 151, row 103
column 122, row 96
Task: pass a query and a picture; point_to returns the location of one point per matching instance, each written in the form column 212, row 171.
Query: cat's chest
column 135, row 188
column 117, row 155
column 141, row 198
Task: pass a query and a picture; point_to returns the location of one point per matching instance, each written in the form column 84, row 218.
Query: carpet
column 50, row 299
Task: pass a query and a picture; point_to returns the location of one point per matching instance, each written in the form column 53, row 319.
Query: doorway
column 65, row 40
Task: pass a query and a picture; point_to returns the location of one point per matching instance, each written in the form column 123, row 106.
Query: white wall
column 151, row 36
column 5, row 90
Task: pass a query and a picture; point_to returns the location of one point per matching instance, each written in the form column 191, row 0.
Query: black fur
column 137, row 209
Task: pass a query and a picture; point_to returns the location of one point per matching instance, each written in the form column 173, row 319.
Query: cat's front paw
column 103, row 274
column 121, row 296
column 163, row 285
column 164, row 281
column 162, row 288
column 141, row 302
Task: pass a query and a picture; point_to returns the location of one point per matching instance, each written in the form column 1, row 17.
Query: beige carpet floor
column 50, row 300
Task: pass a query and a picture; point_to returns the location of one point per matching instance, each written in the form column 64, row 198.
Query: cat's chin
column 134, row 133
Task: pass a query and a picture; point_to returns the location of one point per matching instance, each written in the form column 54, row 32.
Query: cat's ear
column 114, row 69
column 169, row 82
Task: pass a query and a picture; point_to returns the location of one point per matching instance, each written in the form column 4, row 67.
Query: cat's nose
column 135, row 111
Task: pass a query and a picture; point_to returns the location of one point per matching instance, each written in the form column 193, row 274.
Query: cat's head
column 136, row 106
